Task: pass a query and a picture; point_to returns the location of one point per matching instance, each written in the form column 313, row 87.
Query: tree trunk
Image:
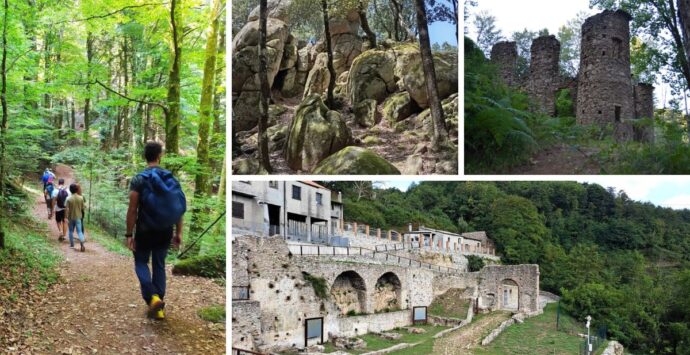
column 371, row 36
column 172, row 116
column 439, row 134
column 684, row 16
column 73, row 115
column 3, row 123
column 265, row 89
column 329, row 49
column 202, row 186
column 125, row 86
column 217, row 148
column 87, row 100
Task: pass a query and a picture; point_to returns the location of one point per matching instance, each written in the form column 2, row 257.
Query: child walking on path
column 74, row 212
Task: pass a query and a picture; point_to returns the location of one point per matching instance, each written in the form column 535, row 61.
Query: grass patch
column 374, row 342
column 110, row 244
column 215, row 314
column 318, row 284
column 29, row 260
column 538, row 335
column 211, row 266
column 450, row 304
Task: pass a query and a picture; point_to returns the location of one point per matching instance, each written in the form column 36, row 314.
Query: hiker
column 60, row 196
column 156, row 207
column 48, row 189
column 83, row 212
column 74, row 211
column 47, row 177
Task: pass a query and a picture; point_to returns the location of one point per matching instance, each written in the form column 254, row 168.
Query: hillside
column 623, row 262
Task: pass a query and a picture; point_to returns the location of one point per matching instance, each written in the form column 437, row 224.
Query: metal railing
column 416, row 245
column 319, row 250
column 597, row 340
column 240, row 293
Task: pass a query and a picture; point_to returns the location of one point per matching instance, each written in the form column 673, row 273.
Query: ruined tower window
column 603, row 53
column 617, row 47
column 600, row 112
column 618, row 113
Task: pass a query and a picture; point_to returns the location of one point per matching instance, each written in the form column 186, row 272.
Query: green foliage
column 319, row 285
column 204, row 265
column 215, row 314
column 564, row 104
column 474, row 263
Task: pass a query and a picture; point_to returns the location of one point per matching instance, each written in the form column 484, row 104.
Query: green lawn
column 375, row 342
column 538, row 335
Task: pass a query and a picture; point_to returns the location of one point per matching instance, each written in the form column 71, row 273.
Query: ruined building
column 603, row 92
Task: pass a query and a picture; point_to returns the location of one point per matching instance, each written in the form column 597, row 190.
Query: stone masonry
column 603, row 92
column 605, row 88
column 543, row 73
column 504, row 55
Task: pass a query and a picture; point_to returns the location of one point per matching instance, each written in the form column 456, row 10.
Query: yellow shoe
column 160, row 314
column 155, row 305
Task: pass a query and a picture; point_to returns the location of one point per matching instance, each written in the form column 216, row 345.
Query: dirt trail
column 97, row 306
column 464, row 339
column 558, row 160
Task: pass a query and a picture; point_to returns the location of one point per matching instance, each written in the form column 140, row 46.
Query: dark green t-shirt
column 148, row 238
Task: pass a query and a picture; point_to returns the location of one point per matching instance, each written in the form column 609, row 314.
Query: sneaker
column 82, row 248
column 160, row 314
column 155, row 305
column 61, row 238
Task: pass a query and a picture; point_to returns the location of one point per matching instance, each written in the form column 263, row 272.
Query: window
column 273, row 184
column 618, row 113
column 237, row 210
column 296, row 192
column 319, row 199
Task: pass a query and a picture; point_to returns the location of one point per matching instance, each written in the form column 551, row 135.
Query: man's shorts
column 59, row 216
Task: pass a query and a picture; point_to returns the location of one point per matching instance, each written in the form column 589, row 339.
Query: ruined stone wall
column 605, row 93
column 491, row 286
column 380, row 322
column 544, row 78
column 504, row 55
column 246, row 325
column 644, row 108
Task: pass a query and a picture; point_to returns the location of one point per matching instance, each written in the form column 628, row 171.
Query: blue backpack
column 162, row 201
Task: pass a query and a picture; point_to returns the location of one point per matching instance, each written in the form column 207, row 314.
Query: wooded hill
column 625, row 263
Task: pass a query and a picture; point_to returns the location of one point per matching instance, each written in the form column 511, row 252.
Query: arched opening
column 349, row 293
column 510, row 295
column 387, row 293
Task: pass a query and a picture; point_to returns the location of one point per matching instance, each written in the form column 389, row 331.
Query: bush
column 474, row 263
column 318, row 284
column 215, row 314
column 205, row 265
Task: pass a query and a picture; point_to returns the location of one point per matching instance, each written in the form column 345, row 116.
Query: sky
column 666, row 191
column 516, row 15
column 440, row 32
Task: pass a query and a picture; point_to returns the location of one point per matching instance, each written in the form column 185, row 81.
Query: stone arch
column 349, row 292
column 509, row 294
column 387, row 293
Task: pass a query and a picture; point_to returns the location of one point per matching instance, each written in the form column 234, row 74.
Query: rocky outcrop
column 398, row 107
column 315, row 133
column 423, row 121
column 377, row 73
column 355, row 161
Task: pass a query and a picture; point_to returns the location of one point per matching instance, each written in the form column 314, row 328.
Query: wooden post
column 378, row 233
column 366, row 231
column 355, row 229
column 390, row 235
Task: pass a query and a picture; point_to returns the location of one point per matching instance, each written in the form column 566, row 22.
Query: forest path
column 97, row 306
column 560, row 159
column 463, row 340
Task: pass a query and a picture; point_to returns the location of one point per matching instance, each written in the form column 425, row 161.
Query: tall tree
column 208, row 88
column 439, row 134
column 172, row 118
column 487, row 33
column 362, row 11
column 3, row 123
column 265, row 88
column 329, row 49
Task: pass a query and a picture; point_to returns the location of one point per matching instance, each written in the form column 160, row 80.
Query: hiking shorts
column 59, row 216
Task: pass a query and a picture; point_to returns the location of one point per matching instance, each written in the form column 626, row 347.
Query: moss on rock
column 355, row 161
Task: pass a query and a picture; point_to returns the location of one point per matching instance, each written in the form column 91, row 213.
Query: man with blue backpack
column 156, row 208
column 48, row 187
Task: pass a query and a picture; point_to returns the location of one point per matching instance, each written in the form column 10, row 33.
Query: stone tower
column 543, row 73
column 644, row 108
column 605, row 92
column 504, row 55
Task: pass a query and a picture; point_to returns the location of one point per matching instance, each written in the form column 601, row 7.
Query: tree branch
column 109, row 13
column 106, row 87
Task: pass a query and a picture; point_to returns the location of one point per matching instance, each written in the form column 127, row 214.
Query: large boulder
column 289, row 59
column 412, row 75
column 276, row 9
column 371, row 77
column 317, row 81
column 245, row 68
column 398, row 107
column 314, row 134
column 355, row 161
column 366, row 114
